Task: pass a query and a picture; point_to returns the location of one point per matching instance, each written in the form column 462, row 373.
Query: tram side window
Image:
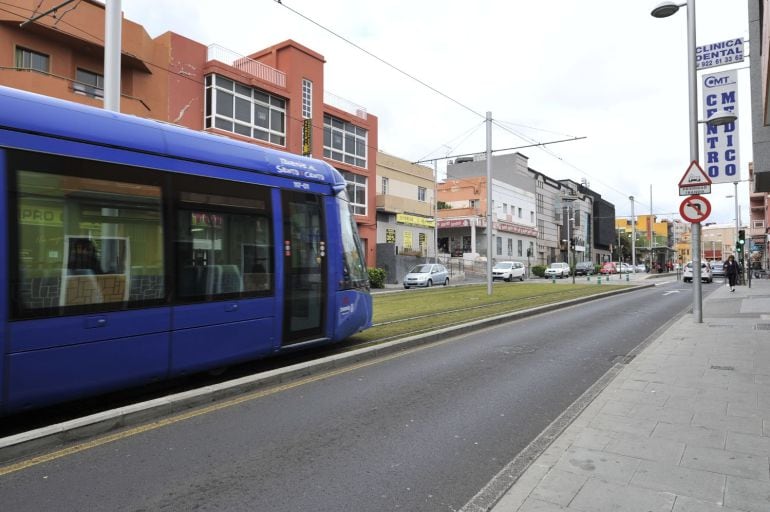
column 85, row 243
column 354, row 265
column 224, row 242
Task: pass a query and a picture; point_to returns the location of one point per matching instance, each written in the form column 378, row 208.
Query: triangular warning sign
column 694, row 176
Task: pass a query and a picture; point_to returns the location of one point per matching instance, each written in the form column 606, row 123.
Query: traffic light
column 740, row 242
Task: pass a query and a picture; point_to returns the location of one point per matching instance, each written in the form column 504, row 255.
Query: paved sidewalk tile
column 600, row 496
column 746, row 443
column 680, row 480
column 533, row 505
column 559, row 487
column 728, row 423
column 743, row 465
column 685, row 504
column 698, row 436
column 596, row 464
column 658, row 450
column 748, row 495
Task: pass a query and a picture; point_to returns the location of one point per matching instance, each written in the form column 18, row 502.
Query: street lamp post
column 570, row 250
column 662, row 11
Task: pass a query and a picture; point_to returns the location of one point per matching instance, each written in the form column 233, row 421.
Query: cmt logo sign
column 718, row 81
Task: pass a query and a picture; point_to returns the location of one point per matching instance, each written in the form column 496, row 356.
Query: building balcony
column 246, row 65
column 344, row 105
column 395, row 204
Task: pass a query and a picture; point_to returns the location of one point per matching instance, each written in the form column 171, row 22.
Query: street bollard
column 599, row 280
column 588, row 277
column 628, row 277
column 553, row 279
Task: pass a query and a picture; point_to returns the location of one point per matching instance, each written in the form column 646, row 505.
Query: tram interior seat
column 200, row 280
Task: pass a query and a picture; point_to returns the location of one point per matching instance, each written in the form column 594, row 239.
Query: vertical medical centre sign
column 720, row 92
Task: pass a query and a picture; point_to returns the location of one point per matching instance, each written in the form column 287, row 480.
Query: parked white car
column 426, row 275
column 705, row 272
column 508, row 271
column 557, row 269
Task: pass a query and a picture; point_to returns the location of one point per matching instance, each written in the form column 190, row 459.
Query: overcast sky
column 548, row 70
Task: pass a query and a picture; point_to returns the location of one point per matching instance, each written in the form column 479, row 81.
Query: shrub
column 377, row 277
column 539, row 270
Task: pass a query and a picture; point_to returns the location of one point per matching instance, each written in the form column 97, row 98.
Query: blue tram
column 136, row 251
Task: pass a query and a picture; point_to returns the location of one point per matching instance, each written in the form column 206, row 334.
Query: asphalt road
column 422, row 430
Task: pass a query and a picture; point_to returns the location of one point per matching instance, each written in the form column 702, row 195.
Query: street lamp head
column 666, row 9
column 721, row 117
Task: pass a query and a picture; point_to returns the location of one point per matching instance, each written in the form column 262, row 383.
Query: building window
column 519, row 216
column 89, row 84
column 27, row 59
column 541, row 229
column 344, row 142
column 307, row 99
column 237, row 108
column 384, row 186
column 505, row 208
column 531, row 217
column 510, row 247
column 499, row 245
column 540, row 203
column 519, row 248
column 356, row 191
column 421, row 194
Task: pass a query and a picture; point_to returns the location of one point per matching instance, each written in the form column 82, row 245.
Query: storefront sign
column 414, row 220
column 509, row 228
column 454, row 223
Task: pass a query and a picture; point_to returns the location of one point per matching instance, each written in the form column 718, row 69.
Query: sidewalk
column 683, row 427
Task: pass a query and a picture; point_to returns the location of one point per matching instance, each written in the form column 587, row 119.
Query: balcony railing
column 247, row 65
column 345, row 105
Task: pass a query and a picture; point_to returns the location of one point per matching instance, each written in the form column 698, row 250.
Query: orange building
column 274, row 97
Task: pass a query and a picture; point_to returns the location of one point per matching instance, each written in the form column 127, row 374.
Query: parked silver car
column 426, row 275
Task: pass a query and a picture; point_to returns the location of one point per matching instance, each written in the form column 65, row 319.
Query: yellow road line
column 34, row 461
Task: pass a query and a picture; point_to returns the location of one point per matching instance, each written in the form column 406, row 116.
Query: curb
column 28, row 443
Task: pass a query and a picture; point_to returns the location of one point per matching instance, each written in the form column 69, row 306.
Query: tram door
column 304, row 249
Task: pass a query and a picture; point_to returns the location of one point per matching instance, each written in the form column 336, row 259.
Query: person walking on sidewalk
column 731, row 271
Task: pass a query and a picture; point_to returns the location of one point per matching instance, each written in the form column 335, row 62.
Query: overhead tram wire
column 504, row 149
column 392, row 66
column 465, row 136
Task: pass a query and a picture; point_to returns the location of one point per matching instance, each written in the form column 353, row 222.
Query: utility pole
column 633, row 234
column 112, row 48
column 489, row 203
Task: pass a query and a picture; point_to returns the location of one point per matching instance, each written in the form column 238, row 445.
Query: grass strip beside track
column 408, row 313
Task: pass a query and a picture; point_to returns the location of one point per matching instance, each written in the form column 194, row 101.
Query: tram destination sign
column 719, row 54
